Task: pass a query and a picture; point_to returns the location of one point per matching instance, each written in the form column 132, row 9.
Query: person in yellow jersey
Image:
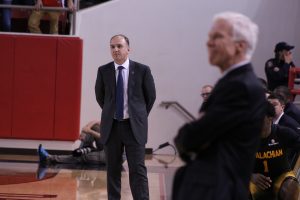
column 273, row 177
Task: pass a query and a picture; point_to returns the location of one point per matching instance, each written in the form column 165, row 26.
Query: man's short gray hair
column 243, row 29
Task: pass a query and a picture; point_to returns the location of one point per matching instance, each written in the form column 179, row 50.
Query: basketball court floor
column 21, row 178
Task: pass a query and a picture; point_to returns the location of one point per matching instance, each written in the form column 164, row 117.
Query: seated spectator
column 277, row 69
column 280, row 117
column 289, row 107
column 273, row 177
column 284, row 120
column 87, row 153
column 205, row 93
column 36, row 15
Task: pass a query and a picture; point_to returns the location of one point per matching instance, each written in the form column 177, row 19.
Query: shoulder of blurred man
column 293, row 111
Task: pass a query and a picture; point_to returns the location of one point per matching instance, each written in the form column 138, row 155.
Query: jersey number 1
column 266, row 169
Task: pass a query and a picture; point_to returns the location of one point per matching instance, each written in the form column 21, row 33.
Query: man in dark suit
column 124, row 116
column 281, row 117
column 290, row 108
column 219, row 148
column 284, row 120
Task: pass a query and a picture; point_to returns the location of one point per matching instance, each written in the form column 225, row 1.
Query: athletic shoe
column 43, row 154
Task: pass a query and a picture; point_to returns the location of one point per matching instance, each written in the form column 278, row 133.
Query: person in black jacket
column 205, row 93
column 289, row 107
column 273, row 177
column 277, row 69
column 284, row 120
column 219, row 147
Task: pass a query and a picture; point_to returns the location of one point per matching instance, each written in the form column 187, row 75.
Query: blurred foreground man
column 219, row 148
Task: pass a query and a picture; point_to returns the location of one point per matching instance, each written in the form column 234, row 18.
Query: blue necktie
column 120, row 95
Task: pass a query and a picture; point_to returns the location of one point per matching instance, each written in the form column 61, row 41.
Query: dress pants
column 122, row 136
column 35, row 19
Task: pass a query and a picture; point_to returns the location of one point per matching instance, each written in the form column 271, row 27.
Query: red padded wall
column 40, row 87
column 6, row 84
column 68, row 88
column 34, row 94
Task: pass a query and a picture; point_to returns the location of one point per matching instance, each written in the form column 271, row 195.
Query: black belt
column 122, row 120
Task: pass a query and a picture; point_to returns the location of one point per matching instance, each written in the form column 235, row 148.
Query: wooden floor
column 21, row 178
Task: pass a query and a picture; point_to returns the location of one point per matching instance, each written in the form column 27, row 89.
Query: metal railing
column 73, row 16
column 179, row 107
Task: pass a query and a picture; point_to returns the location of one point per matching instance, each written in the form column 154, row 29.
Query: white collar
column 125, row 64
column 237, row 65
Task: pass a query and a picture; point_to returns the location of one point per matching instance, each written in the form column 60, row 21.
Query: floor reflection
column 30, row 181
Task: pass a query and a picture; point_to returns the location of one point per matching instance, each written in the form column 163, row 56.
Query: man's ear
column 241, row 47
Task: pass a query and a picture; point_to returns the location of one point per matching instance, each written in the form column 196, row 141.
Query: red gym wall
column 40, row 87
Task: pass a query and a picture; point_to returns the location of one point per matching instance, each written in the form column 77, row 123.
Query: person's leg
column 135, row 154
column 6, row 16
column 94, row 158
column 54, row 19
column 113, row 151
column 289, row 189
column 67, row 159
column 34, row 21
column 137, row 171
column 46, row 158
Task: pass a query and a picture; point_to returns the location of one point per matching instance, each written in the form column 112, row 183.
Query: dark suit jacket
column 288, row 121
column 141, row 97
column 225, row 139
column 293, row 111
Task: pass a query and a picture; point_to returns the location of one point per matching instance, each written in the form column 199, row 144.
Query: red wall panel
column 34, row 92
column 40, row 87
column 6, row 84
column 68, row 88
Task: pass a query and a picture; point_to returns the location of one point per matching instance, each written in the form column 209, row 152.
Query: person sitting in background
column 284, row 120
column 273, row 177
column 277, row 69
column 36, row 15
column 87, row 153
column 289, row 107
column 280, row 117
column 205, row 92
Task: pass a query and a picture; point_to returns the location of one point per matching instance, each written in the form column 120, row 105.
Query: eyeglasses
column 205, row 94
